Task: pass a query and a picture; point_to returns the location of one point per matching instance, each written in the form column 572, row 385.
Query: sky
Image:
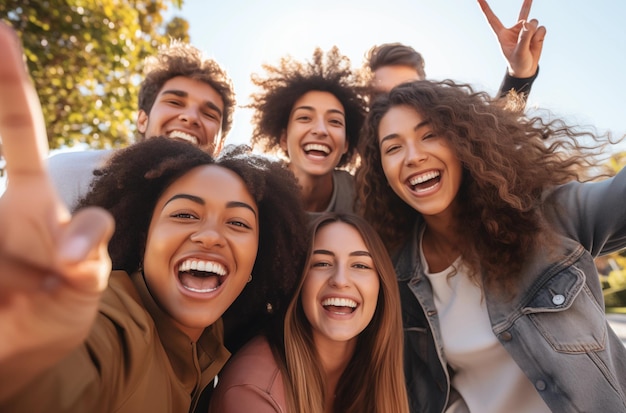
column 581, row 67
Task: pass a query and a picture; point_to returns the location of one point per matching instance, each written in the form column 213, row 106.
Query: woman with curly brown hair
column 312, row 112
column 191, row 233
column 343, row 320
column 493, row 232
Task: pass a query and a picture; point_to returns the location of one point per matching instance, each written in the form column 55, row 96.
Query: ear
column 142, row 121
column 283, row 141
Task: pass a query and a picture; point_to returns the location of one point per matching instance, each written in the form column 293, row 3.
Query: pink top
column 250, row 382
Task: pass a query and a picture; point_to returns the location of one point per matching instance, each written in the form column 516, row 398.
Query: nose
column 319, row 127
column 415, row 154
column 209, row 235
column 339, row 278
column 189, row 115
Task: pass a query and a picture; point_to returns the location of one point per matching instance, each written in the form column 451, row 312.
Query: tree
column 85, row 58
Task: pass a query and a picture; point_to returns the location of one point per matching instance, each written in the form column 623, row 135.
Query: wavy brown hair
column 508, row 161
column 378, row 351
column 285, row 83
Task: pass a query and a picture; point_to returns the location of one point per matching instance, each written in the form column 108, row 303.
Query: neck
column 440, row 244
column 334, row 357
column 315, row 190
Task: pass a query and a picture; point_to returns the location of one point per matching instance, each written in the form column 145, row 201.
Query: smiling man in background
column 183, row 96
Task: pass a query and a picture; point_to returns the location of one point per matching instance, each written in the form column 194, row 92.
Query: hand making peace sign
column 521, row 43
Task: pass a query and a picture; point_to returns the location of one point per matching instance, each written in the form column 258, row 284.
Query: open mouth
column 425, row 181
column 316, row 149
column 339, row 305
column 183, row 136
column 201, row 276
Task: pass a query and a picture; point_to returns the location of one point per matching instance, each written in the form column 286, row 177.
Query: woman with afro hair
column 311, row 113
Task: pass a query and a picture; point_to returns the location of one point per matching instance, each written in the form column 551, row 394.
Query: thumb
column 83, row 252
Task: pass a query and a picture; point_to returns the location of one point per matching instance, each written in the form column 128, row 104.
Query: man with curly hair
column 311, row 113
column 183, row 96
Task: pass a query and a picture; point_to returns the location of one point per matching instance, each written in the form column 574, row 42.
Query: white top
column 486, row 376
column 72, row 172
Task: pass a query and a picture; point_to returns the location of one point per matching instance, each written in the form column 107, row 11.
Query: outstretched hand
column 521, row 43
column 53, row 267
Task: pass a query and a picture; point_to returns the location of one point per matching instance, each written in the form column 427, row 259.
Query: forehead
column 387, row 77
column 193, row 88
column 399, row 119
column 339, row 236
column 323, row 101
column 212, row 183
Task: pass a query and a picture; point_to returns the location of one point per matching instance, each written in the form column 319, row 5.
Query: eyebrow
column 183, row 94
column 313, row 109
column 200, row 201
column 395, row 135
column 352, row 254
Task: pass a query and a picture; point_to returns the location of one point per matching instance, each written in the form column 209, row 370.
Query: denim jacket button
column 506, row 336
column 540, row 385
column 558, row 299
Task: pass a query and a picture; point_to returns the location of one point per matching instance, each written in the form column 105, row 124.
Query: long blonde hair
column 379, row 350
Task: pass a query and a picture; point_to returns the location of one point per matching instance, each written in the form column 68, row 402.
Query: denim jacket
column 554, row 327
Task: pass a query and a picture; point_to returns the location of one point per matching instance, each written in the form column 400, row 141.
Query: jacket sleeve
column 519, row 85
column 593, row 213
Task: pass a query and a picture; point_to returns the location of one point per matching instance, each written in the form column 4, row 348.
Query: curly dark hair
column 284, row 84
column 130, row 185
column 182, row 59
column 508, row 162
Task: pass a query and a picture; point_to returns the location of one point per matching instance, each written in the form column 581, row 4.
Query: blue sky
column 582, row 63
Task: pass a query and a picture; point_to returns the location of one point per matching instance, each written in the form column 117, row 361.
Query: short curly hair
column 284, row 84
column 182, row 59
column 508, row 162
column 131, row 183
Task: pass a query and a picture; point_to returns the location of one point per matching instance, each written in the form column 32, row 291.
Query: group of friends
column 418, row 246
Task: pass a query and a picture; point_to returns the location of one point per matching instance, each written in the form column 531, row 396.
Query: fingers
column 525, row 11
column 492, row 19
column 83, row 249
column 536, row 43
column 21, row 121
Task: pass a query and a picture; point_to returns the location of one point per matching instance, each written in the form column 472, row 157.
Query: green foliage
column 85, row 58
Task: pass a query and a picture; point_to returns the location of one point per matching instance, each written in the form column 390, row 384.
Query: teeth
column 316, row 147
column 204, row 266
column 424, row 177
column 184, row 136
column 339, row 302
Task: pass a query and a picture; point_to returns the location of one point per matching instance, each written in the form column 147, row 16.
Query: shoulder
column 343, row 178
column 253, row 364
column 71, row 160
column 251, row 380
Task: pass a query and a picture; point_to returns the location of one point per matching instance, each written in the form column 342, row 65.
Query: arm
column 53, row 267
column 521, row 46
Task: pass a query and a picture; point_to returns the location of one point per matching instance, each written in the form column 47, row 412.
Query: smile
column 176, row 134
column 316, row 149
column 425, row 182
column 339, row 305
column 201, row 276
